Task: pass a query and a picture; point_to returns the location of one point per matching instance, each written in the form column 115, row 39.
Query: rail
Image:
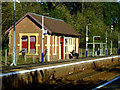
column 100, row 86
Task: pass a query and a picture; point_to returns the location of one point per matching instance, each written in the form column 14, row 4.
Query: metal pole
column 106, row 44
column 86, row 40
column 118, row 42
column 42, row 55
column 111, row 38
column 14, row 64
column 93, row 46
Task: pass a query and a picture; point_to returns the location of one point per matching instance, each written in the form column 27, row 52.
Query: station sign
column 44, row 32
column 87, row 39
column 68, row 37
column 97, row 38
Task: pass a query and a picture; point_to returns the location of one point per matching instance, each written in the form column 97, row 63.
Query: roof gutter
column 67, row 35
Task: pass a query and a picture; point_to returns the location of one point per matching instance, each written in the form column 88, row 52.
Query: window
column 29, row 43
column 32, row 44
column 54, row 45
column 25, row 44
column 70, row 45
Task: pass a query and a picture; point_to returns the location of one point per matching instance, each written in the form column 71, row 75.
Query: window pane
column 32, row 44
column 24, row 44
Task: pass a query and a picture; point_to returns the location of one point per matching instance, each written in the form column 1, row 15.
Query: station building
column 60, row 38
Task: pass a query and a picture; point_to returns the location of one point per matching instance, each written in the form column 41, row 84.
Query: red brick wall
column 27, row 26
column 56, row 57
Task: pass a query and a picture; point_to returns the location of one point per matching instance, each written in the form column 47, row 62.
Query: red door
column 32, row 44
column 24, row 44
column 62, row 47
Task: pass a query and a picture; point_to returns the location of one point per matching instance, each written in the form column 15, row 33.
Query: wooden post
column 79, row 52
column 16, row 54
column 88, row 52
column 40, row 56
column 45, row 57
column 25, row 58
column 33, row 58
column 6, row 57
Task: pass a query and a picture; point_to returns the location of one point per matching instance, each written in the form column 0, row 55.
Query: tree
column 77, row 14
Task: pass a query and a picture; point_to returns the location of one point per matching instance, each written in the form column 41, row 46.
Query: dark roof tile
column 55, row 26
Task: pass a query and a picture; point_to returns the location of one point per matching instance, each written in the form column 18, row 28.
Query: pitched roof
column 52, row 25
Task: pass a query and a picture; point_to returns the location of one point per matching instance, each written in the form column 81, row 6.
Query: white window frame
column 55, row 41
column 29, row 34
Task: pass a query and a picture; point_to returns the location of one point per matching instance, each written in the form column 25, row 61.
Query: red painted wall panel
column 24, row 44
column 32, row 45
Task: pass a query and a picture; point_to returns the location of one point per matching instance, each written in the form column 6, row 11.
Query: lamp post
column 111, row 39
column 106, row 44
column 43, row 33
column 14, row 64
column 42, row 56
column 87, row 40
column 93, row 43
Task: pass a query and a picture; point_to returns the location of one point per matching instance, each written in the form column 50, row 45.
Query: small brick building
column 59, row 41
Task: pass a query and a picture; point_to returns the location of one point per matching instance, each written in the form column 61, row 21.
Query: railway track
column 85, row 79
column 109, row 83
column 89, row 79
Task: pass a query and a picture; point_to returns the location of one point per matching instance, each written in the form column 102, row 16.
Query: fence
column 20, row 59
column 82, row 52
column 24, row 59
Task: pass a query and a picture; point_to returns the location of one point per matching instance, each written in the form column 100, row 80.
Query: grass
column 20, row 60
